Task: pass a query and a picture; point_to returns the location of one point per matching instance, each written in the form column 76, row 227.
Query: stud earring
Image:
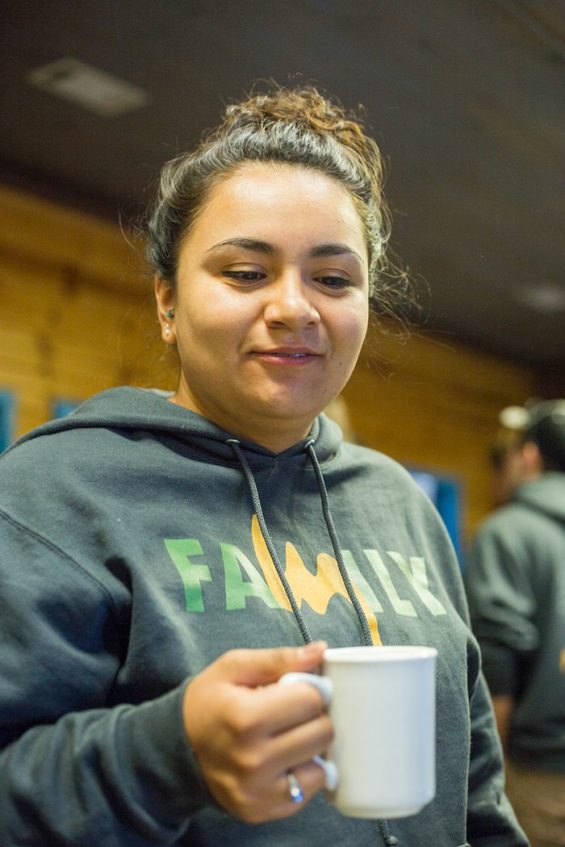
column 167, row 329
column 171, row 314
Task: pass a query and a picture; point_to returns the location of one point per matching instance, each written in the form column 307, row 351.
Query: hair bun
column 305, row 107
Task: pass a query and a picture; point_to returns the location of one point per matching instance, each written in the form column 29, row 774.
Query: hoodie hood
column 139, row 409
column 545, row 495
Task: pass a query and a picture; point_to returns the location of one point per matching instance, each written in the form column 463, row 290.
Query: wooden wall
column 76, row 308
column 77, row 316
column 433, row 404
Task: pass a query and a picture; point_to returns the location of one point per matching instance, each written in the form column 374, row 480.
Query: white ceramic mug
column 382, row 704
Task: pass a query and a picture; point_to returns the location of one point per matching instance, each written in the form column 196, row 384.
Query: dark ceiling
column 466, row 98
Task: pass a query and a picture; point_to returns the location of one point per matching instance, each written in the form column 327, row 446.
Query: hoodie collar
column 545, row 494
column 137, row 409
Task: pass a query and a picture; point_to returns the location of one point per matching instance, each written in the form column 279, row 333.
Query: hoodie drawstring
column 367, row 639
column 388, row 839
column 256, row 500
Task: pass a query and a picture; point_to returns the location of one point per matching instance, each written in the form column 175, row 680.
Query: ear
column 533, row 460
column 165, row 299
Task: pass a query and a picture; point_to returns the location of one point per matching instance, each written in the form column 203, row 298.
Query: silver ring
column 294, row 788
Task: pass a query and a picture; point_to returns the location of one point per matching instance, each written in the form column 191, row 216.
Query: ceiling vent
column 85, row 85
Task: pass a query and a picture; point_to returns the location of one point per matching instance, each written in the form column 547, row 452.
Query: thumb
column 262, row 667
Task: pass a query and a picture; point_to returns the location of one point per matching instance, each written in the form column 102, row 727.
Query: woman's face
column 271, row 302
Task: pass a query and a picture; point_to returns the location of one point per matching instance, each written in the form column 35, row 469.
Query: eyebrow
column 334, row 250
column 257, row 246
column 247, row 244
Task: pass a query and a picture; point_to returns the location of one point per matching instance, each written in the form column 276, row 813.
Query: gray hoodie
column 134, row 539
column 516, row 586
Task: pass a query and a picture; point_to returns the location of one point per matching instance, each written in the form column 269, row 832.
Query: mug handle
column 323, row 685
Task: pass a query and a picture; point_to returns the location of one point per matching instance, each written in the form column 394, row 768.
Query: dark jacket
column 516, row 587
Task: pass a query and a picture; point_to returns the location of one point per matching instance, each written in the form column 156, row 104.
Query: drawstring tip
column 388, row 839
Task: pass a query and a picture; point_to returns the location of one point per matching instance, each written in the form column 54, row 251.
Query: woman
column 147, row 536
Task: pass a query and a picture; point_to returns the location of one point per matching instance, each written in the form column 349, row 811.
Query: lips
column 283, row 355
column 295, row 352
column 287, row 355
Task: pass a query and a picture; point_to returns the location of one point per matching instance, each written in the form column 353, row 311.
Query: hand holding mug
column 252, row 737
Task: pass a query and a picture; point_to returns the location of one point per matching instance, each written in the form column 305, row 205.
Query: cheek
column 352, row 323
column 204, row 317
column 352, row 336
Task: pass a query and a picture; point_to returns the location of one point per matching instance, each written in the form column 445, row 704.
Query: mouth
column 284, row 355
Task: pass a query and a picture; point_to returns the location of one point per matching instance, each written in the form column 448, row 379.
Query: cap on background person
column 543, row 423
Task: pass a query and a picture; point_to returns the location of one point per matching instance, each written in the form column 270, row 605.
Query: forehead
column 275, row 201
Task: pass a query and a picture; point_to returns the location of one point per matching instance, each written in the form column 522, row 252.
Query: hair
column 288, row 126
column 546, row 428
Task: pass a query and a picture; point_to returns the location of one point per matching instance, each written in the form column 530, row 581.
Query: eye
column 244, row 276
column 333, row 281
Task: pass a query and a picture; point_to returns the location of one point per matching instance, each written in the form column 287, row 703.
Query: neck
column 274, row 434
column 273, row 443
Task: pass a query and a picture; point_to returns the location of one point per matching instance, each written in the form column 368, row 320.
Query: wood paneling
column 76, row 313
column 77, row 316
column 433, row 404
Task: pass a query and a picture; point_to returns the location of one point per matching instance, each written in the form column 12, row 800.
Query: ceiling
column 465, row 97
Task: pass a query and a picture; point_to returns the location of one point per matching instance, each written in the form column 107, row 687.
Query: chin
column 299, row 418
column 302, row 406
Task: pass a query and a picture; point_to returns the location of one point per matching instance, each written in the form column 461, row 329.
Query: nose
column 289, row 304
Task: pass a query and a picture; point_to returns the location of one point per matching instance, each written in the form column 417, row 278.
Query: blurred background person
column 507, row 463
column 516, row 587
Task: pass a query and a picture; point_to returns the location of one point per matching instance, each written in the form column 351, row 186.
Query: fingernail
column 313, row 647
